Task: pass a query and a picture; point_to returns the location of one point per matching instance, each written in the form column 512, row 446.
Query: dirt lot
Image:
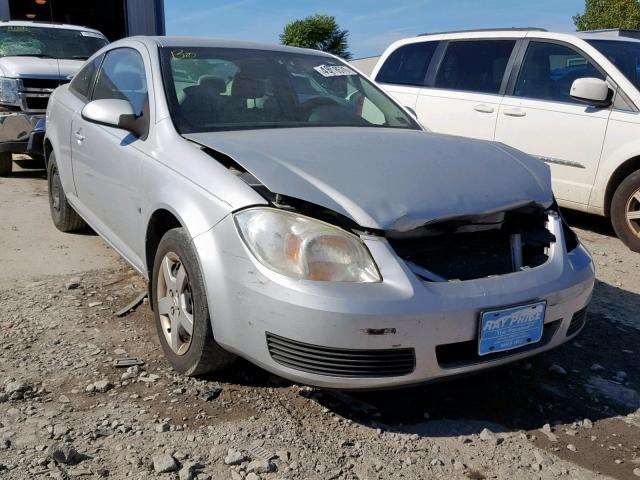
column 66, row 412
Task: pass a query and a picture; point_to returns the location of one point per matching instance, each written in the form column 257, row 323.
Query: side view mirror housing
column 113, row 113
column 592, row 91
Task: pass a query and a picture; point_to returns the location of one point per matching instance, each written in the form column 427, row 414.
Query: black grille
column 462, row 256
column 37, row 103
column 41, row 83
column 466, row 250
column 341, row 362
column 461, row 354
column 577, row 322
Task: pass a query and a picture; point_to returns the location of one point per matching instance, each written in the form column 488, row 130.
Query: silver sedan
column 286, row 210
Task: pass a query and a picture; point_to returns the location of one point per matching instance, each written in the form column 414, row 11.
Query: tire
column 178, row 295
column 625, row 211
column 6, row 164
column 63, row 215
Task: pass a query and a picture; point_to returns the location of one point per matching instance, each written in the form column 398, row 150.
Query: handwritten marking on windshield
column 182, row 54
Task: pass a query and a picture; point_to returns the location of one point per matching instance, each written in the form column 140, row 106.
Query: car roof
column 520, row 33
column 193, row 42
column 604, row 35
column 64, row 26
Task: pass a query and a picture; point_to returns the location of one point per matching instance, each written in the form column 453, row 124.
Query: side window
column 408, row 64
column 548, row 71
column 83, row 80
column 474, row 66
column 122, row 77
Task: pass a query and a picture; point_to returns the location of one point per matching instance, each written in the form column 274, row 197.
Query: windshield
column 624, row 55
column 211, row 89
column 19, row 41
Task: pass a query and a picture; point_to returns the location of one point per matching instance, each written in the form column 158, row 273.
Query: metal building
column 114, row 18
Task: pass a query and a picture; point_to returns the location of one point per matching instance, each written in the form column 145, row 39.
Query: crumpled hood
column 14, row 67
column 387, row 179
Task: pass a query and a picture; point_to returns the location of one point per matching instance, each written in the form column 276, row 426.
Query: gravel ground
column 66, row 411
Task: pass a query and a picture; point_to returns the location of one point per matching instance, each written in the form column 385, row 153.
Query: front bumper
column 253, row 307
column 22, row 132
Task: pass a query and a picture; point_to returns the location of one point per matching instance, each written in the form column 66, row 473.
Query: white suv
column 572, row 100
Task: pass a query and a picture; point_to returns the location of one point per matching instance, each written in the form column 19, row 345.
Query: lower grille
column 340, row 362
column 37, row 103
column 461, row 354
column 577, row 322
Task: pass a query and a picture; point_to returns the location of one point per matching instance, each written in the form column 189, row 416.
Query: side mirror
column 112, row 113
column 592, row 91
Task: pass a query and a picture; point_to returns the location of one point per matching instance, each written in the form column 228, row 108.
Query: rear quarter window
column 408, row 64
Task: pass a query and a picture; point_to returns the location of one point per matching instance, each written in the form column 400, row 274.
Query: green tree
column 321, row 32
column 599, row 14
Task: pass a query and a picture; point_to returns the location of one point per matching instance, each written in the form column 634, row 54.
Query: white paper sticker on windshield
column 91, row 34
column 334, row 70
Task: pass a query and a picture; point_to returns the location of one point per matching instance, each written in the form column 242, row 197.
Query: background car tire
column 203, row 354
column 627, row 196
column 63, row 215
column 6, row 163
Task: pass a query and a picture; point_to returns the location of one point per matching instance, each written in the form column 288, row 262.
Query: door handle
column 482, row 108
column 515, row 112
column 79, row 136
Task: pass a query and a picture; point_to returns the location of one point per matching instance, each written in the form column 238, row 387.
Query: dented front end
column 439, row 273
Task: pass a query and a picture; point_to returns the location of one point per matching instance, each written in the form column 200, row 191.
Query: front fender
column 191, row 185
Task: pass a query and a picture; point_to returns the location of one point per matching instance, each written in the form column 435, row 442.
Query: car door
column 60, row 120
column 107, row 161
column 404, row 70
column 540, row 117
column 464, row 87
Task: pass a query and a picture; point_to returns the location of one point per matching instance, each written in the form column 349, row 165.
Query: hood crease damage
column 398, row 182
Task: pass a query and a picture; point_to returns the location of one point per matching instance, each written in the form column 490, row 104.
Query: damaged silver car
column 286, row 210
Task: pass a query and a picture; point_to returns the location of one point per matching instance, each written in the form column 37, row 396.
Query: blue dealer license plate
column 510, row 328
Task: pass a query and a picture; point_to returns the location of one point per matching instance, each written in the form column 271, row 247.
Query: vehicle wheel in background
column 625, row 211
column 63, row 215
column 6, row 163
column 181, row 310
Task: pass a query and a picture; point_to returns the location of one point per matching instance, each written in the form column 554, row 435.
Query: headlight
column 304, row 248
column 9, row 91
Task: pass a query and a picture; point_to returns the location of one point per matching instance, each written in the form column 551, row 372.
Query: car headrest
column 212, row 83
column 245, row 86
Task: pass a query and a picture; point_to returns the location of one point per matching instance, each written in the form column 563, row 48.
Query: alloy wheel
column 633, row 212
column 175, row 303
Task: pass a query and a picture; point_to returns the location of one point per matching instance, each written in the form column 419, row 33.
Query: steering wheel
column 354, row 96
column 316, row 102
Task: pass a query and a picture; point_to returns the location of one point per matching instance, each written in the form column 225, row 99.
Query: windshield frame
column 168, row 82
column 88, row 33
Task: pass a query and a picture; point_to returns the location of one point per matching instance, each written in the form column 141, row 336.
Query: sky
column 372, row 24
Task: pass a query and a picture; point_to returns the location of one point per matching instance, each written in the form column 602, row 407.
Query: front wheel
column 625, row 211
column 181, row 310
column 6, row 164
column 64, row 217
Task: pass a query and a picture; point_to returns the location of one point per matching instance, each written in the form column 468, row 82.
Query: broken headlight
column 9, row 92
column 304, row 248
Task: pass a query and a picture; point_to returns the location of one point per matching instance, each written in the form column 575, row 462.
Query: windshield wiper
column 39, row 55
